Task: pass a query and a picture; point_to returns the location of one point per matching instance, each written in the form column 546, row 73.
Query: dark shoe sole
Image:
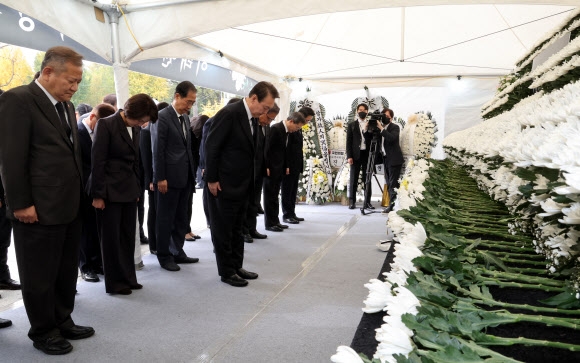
column 53, row 352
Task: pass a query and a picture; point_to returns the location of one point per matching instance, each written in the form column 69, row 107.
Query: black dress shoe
column 125, row 291
column 283, row 226
column 77, row 332
column 352, row 205
column 247, row 274
column 5, row 323
column 55, row 345
column 9, row 284
column 248, row 238
column 257, row 235
column 136, row 287
column 369, row 206
column 290, row 220
column 235, row 280
column 274, row 229
column 186, row 259
column 298, row 219
column 260, row 209
column 170, row 266
column 90, row 276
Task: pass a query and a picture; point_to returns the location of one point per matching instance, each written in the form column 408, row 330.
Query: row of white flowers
column 540, row 132
column 391, row 295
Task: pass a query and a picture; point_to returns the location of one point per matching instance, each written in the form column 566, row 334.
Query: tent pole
column 120, row 69
column 403, row 34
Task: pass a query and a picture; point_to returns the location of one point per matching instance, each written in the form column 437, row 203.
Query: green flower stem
column 495, row 340
column 523, row 277
column 482, row 351
column 493, row 282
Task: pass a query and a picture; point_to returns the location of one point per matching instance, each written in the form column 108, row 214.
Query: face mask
column 388, row 119
column 362, row 115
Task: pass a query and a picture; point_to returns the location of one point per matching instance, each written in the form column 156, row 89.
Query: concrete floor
column 306, row 302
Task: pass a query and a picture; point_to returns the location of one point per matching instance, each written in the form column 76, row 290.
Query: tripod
column 370, row 173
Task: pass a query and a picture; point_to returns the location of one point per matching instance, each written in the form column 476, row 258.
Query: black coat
column 353, row 140
column 393, row 155
column 295, row 155
column 146, row 156
column 259, row 157
column 86, row 143
column 276, row 150
column 115, row 161
column 229, row 152
column 39, row 164
column 172, row 159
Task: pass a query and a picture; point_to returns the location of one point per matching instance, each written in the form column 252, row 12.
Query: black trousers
column 172, row 223
column 189, row 208
column 271, row 201
column 204, row 200
column 355, row 169
column 392, row 174
column 47, row 258
column 116, row 225
column 141, row 213
column 226, row 218
column 289, row 193
column 90, row 259
column 5, row 232
column 151, row 220
column 251, row 219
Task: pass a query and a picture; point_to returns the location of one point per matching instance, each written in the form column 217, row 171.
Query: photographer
column 392, row 155
column 358, row 141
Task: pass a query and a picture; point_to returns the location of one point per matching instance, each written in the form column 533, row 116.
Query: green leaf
column 564, row 300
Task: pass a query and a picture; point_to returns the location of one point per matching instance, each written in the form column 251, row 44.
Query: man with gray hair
column 277, row 165
column 41, row 167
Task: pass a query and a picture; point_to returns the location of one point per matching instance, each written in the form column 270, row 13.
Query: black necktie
column 60, row 108
column 255, row 129
column 182, row 121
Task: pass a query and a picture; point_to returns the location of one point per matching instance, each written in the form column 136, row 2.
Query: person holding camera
column 358, row 141
column 392, row 155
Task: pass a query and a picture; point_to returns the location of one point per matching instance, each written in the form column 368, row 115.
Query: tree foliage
column 14, row 70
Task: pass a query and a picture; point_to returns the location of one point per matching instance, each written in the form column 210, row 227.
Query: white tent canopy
column 332, row 46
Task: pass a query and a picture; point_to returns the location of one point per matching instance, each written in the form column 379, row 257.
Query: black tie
column 62, row 116
column 182, row 121
column 255, row 129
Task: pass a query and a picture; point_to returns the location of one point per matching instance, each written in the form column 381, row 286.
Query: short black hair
column 363, row 105
column 233, row 100
column 111, row 99
column 162, row 105
column 306, row 111
column 139, row 106
column 83, row 108
column 103, row 110
column 386, row 109
column 275, row 109
column 263, row 89
column 184, row 87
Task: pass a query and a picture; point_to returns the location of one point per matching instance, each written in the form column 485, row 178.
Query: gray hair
column 297, row 118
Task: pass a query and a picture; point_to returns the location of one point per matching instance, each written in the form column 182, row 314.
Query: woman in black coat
column 114, row 186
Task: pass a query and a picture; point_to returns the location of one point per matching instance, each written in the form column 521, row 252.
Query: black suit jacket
column 276, row 151
column 393, row 154
column 115, row 161
column 146, row 156
column 295, row 159
column 172, row 159
column 204, row 132
column 38, row 163
column 353, row 140
column 259, row 157
column 85, row 143
column 229, row 152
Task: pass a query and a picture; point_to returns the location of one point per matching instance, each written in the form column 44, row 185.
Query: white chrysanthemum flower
column 346, row 354
column 379, row 292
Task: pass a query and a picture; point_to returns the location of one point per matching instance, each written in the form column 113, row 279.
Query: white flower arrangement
column 318, row 190
column 337, row 136
column 342, row 179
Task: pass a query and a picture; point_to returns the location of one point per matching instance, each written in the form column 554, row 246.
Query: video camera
column 374, row 117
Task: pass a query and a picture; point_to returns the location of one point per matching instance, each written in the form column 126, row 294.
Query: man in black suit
column 6, row 283
column 277, row 166
column 358, row 142
column 90, row 261
column 41, row 167
column 174, row 174
column 254, row 205
column 392, row 155
column 289, row 189
column 229, row 176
